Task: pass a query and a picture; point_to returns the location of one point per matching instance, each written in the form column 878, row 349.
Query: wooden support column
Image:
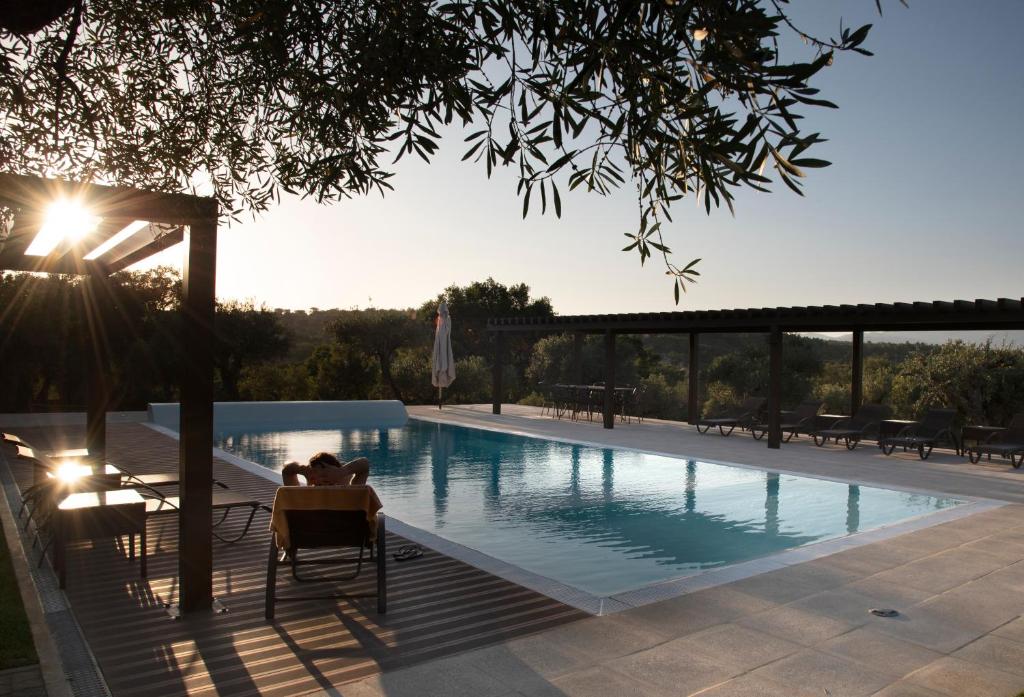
column 857, row 377
column 96, row 299
column 195, row 532
column 693, row 378
column 497, row 371
column 609, row 379
column 577, row 358
column 775, row 388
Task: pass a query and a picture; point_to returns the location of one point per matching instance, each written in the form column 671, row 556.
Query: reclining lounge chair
column 924, row 435
column 1008, row 443
column 320, row 517
column 743, row 416
column 799, row 420
column 852, row 429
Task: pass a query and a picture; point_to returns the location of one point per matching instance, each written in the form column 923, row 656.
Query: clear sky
column 924, row 201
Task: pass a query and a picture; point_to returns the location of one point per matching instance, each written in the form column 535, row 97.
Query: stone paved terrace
column 437, row 606
column 800, row 630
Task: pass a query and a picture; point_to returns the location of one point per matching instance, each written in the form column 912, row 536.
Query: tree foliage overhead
column 675, row 97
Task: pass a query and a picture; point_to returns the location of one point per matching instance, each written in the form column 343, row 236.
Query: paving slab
column 450, row 677
column 798, row 625
column 603, row 682
column 815, row 670
column 795, row 582
column 944, row 570
column 992, row 650
column 882, row 593
column 671, row 668
column 604, row 638
column 983, row 605
column 738, row 648
column 906, row 689
column 958, row 678
column 1012, row 630
column 880, row 651
column 927, row 629
column 755, row 686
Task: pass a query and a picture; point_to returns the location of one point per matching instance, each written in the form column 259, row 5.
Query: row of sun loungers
column 302, row 518
column 936, row 427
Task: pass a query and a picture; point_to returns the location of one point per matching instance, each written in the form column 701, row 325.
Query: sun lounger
column 224, row 502
column 326, row 517
column 852, row 429
column 744, row 416
column 794, row 422
column 923, row 436
column 1008, row 443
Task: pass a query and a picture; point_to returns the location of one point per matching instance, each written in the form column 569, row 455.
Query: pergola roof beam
column 1005, row 313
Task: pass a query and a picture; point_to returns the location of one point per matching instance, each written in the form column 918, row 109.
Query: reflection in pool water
column 602, row 520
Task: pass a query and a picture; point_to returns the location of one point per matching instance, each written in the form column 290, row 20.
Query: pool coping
column 670, row 588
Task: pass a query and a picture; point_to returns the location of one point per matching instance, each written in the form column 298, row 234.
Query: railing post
column 609, row 379
column 497, row 371
column 857, row 377
column 693, row 381
column 775, row 388
column 195, row 529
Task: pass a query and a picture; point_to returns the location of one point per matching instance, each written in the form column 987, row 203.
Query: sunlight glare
column 117, row 239
column 70, row 471
column 65, row 219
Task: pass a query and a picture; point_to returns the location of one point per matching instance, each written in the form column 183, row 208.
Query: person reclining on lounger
column 326, row 470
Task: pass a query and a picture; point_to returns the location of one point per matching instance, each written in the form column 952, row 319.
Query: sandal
column 407, row 552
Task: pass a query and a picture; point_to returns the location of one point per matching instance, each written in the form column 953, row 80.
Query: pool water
column 602, row 520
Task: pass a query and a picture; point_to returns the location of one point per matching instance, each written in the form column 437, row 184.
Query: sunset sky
column 923, row 201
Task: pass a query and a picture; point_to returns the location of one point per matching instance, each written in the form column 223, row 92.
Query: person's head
column 323, row 460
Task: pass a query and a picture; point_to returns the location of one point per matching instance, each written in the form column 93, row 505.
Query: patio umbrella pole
column 439, row 397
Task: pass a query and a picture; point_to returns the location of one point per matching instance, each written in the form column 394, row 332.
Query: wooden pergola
column 1001, row 314
column 127, row 226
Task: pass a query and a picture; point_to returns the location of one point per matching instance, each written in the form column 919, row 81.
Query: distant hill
column 998, row 338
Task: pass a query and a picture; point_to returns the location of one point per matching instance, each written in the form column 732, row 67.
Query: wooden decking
column 437, row 605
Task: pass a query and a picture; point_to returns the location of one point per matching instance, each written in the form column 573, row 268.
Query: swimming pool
column 601, row 520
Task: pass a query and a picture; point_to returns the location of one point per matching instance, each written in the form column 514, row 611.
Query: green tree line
column 48, row 322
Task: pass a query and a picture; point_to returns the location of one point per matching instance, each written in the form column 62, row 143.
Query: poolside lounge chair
column 326, row 517
column 852, row 429
column 224, row 502
column 793, row 422
column 743, row 416
column 936, row 425
column 1008, row 443
column 50, row 477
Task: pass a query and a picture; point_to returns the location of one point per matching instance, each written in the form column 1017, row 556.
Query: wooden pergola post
column 857, row 377
column 94, row 292
column 693, row 381
column 775, row 388
column 116, row 208
column 609, row 379
column 195, row 527
column 497, row 370
column 577, row 358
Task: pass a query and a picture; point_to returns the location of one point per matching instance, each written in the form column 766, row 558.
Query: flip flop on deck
column 407, row 552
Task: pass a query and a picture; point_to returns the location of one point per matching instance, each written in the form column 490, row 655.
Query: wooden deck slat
column 437, row 605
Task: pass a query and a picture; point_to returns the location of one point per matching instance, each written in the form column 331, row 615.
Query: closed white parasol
column 443, row 364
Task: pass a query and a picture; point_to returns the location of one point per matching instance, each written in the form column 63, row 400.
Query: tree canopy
column 675, row 97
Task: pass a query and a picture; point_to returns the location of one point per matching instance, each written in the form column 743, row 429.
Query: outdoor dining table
column 90, row 515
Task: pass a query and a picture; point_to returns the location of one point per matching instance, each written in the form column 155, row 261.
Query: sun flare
column 66, row 219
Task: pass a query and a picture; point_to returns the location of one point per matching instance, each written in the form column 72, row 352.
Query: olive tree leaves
column 676, row 98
